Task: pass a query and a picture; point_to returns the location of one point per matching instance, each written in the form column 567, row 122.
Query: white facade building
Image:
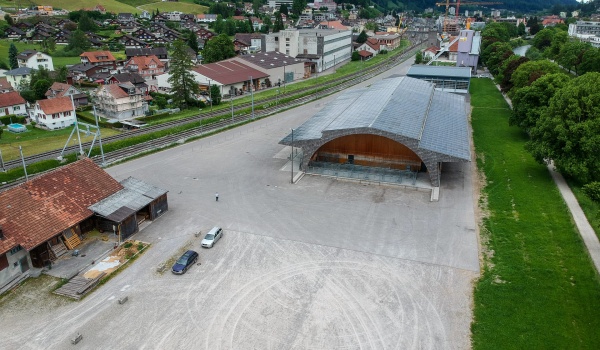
column 56, row 113
column 34, row 59
column 325, row 47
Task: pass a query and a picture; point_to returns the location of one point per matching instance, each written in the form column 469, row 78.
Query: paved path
column 585, row 229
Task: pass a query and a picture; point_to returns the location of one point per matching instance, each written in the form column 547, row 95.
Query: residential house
column 99, row 58
column 387, row 41
column 62, row 89
column 86, row 72
column 206, row 18
column 132, row 43
column 39, row 36
column 121, row 101
column 143, row 34
column 174, row 16
column 135, row 79
column 253, row 41
column 552, row 20
column 204, row 34
column 53, row 114
column 63, row 22
column 146, row 66
column 160, row 52
column 430, row 52
column 35, row 59
column 12, row 103
column 146, row 15
column 15, row 33
column 5, row 85
column 61, row 37
column 125, row 18
column 18, row 77
column 371, row 45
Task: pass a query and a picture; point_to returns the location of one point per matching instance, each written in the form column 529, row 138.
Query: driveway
column 320, row 264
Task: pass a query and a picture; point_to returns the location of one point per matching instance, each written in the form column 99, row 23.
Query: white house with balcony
column 34, row 59
column 121, row 101
column 56, row 113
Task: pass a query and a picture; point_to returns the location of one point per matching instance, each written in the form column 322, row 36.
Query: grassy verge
column 36, row 141
column 538, row 289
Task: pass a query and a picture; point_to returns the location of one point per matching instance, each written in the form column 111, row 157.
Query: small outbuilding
column 124, row 211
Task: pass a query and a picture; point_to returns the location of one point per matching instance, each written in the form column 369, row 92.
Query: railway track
column 263, row 107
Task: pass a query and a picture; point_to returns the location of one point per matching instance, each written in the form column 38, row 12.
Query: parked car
column 182, row 264
column 212, row 237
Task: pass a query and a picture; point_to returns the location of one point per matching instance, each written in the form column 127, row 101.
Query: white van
column 212, row 237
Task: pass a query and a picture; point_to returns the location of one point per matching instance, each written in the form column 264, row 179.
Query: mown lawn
column 175, row 6
column 37, row 141
column 57, row 61
column 74, row 5
column 538, row 288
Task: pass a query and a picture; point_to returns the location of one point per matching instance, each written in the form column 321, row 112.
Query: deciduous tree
column 568, row 131
column 530, row 101
column 218, row 49
column 530, row 71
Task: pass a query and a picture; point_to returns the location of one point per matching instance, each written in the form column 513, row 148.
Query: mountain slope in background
column 525, row 6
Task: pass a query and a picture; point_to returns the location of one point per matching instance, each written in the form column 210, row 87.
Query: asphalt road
column 321, row 264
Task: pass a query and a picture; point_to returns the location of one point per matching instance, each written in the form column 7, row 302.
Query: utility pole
column 252, row 95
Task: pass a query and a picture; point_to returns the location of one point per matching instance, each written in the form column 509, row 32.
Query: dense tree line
column 555, row 97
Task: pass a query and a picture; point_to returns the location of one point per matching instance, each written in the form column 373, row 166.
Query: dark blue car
column 182, row 264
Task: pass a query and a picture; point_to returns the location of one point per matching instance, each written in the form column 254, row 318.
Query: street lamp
column 252, row 95
column 231, row 101
column 210, row 95
column 292, row 157
column 284, row 79
column 333, row 63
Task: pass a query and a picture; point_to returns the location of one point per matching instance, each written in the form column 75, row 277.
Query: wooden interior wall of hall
column 370, row 146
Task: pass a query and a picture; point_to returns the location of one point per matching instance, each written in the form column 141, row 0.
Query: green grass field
column 74, row 5
column 538, row 288
column 175, row 6
column 57, row 61
column 36, row 141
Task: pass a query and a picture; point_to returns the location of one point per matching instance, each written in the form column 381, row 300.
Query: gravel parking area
column 321, row 264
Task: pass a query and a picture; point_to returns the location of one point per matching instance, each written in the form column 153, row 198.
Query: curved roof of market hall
column 433, row 124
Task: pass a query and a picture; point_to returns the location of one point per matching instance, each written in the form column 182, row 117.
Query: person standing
column 217, row 196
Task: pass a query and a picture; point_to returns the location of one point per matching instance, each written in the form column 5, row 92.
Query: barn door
column 24, row 264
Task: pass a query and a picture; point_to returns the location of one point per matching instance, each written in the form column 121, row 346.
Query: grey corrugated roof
column 142, row 187
column 446, row 130
column 136, row 195
column 130, row 199
column 439, row 71
column 403, row 106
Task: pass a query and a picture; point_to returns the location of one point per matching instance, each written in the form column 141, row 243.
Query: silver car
column 212, row 237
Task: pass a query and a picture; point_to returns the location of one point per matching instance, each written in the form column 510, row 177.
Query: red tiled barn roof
column 229, row 72
column 37, row 210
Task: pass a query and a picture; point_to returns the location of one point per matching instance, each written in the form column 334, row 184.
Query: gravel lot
column 321, row 264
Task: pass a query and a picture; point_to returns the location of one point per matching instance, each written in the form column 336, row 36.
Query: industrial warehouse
column 391, row 131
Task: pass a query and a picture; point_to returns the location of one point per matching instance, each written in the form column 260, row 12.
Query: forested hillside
column 420, row 5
